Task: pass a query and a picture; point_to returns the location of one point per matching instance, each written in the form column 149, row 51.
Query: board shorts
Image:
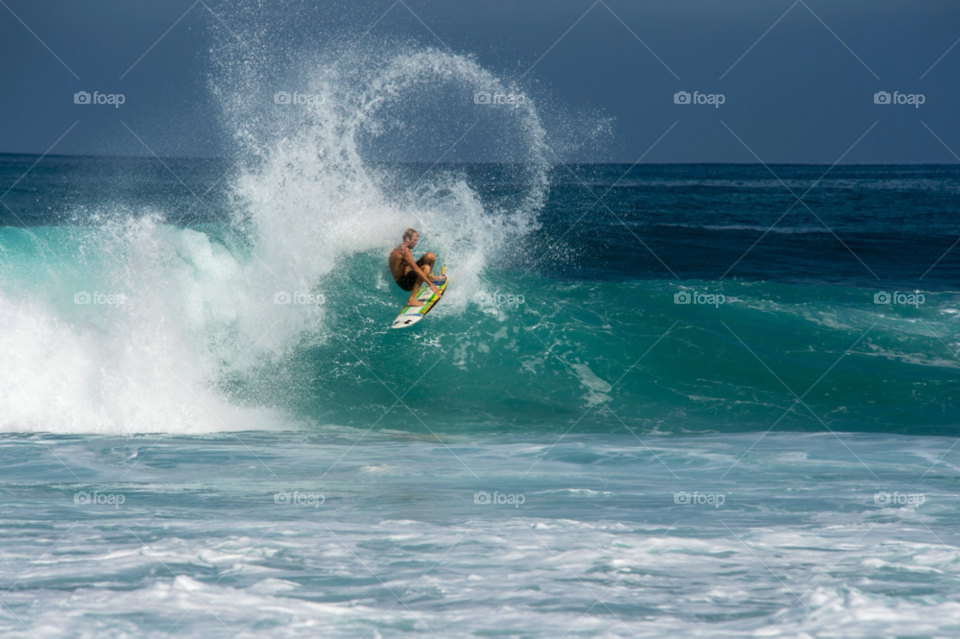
column 409, row 279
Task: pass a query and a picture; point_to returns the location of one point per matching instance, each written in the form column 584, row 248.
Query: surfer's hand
column 436, row 290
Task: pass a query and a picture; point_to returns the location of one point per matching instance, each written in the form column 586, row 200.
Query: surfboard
column 410, row 315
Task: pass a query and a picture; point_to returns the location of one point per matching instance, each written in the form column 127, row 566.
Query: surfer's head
column 410, row 237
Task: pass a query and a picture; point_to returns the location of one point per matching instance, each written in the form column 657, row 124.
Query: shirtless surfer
column 410, row 274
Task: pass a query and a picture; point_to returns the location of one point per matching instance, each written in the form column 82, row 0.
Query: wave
column 193, row 341
column 539, row 355
column 130, row 322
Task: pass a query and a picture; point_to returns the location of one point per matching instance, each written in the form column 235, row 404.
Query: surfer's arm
column 408, row 256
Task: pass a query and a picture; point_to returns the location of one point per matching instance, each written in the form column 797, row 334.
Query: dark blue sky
column 803, row 93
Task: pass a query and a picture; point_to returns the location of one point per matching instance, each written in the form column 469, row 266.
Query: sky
column 798, row 78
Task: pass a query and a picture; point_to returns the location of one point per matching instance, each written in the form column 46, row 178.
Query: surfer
column 409, row 274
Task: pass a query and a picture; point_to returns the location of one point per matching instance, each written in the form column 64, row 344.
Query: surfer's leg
column 413, row 301
column 426, row 265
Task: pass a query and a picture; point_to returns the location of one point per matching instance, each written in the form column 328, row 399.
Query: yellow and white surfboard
column 410, row 315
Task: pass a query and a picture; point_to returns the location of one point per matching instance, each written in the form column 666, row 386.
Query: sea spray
column 334, row 179
column 204, row 340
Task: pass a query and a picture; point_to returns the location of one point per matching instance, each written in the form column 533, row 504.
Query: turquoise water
column 516, row 351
